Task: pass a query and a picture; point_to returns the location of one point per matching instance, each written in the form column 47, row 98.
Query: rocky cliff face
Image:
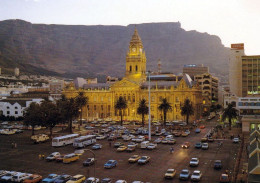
column 93, row 50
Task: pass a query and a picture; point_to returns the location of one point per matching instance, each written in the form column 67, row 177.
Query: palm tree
column 187, row 109
column 31, row 115
column 164, row 107
column 230, row 112
column 120, row 105
column 81, row 100
column 142, row 109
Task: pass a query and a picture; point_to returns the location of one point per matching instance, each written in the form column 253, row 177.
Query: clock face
column 133, row 49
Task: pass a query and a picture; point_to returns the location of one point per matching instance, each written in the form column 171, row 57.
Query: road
column 25, row 159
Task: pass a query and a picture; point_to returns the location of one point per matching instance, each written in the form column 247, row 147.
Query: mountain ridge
column 90, row 50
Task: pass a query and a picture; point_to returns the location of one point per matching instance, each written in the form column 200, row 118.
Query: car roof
column 171, row 169
column 196, row 171
column 77, row 176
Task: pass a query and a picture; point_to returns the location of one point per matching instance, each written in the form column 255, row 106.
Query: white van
column 40, row 138
column 20, row 177
column 144, row 144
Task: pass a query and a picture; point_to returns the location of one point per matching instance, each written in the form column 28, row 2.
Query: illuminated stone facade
column 134, row 87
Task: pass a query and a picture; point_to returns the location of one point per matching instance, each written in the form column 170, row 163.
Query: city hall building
column 134, row 87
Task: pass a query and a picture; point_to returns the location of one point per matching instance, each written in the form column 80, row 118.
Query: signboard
column 239, row 46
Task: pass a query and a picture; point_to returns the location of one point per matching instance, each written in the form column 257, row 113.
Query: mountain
column 78, row 50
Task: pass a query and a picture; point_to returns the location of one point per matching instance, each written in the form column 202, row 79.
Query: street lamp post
column 94, row 162
column 149, row 117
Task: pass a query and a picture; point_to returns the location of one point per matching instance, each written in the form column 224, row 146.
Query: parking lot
column 25, row 158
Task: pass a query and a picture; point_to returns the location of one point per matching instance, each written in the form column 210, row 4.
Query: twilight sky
column 234, row 21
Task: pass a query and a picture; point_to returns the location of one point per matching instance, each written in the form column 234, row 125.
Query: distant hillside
column 100, row 50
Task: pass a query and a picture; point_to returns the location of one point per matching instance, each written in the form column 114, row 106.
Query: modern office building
column 195, row 69
column 134, row 87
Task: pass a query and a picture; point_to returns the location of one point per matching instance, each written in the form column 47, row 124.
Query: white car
column 196, row 175
column 120, row 181
column 7, row 177
column 132, row 144
column 151, row 146
column 194, row 162
column 187, row 131
column 52, row 156
column 137, row 182
column 205, row 146
column 100, row 137
column 139, row 139
column 92, row 180
column 20, row 177
column 235, row 140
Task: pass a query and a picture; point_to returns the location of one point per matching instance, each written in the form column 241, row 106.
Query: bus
column 64, row 140
column 83, row 141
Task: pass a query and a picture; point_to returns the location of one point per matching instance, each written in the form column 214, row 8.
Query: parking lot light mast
column 94, row 163
column 149, row 117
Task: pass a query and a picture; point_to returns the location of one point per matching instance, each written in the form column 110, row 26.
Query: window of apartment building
column 16, row 112
column 152, row 108
column 102, row 107
column 15, row 107
column 109, row 99
column 133, row 98
column 94, row 107
column 7, row 112
column 95, row 98
column 177, row 99
column 108, row 107
column 7, row 107
column 102, row 98
column 152, row 99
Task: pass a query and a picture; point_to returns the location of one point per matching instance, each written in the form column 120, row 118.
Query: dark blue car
column 62, row 179
column 110, row 164
column 198, row 145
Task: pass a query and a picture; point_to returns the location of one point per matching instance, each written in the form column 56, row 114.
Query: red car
column 224, row 178
column 33, row 179
column 202, row 126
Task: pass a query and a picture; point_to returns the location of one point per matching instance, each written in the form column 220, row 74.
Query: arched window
column 136, row 68
column 130, row 68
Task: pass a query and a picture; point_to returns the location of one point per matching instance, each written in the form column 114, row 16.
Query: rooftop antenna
column 159, row 66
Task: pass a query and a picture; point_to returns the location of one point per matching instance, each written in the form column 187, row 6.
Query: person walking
column 40, row 156
column 43, row 156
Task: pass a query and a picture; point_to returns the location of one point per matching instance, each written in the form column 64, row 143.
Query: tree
column 142, row 109
column 50, row 115
column 229, row 113
column 31, row 116
column 81, row 101
column 69, row 110
column 187, row 109
column 120, row 105
column 165, row 107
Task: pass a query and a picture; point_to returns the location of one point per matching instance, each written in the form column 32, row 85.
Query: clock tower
column 136, row 59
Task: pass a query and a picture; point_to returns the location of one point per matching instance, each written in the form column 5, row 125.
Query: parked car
column 110, row 164
column 7, row 177
column 205, row 146
column 77, row 179
column 106, row 180
column 117, row 144
column 52, row 156
column 120, row 181
column 170, row 173
column 158, row 140
column 60, row 158
column 63, row 179
column 132, row 144
column 198, row 145
column 79, row 152
column 224, row 178
column 171, row 141
column 144, row 160
column 134, row 158
column 194, row 162
column 51, row 178
column 70, row 158
column 217, row 164
column 92, row 180
column 235, row 140
column 151, row 146
column 204, row 139
column 3, row 172
column 197, row 130
column 20, row 177
column 130, row 149
column 89, row 161
column 196, row 176
column 210, row 139
column 100, row 137
column 121, row 148
column 96, row 146
column 184, row 175
column 183, row 134
column 33, row 179
column 185, row 145
column 202, row 126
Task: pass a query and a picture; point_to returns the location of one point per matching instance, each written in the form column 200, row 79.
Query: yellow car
column 70, row 158
column 183, row 134
column 170, row 173
column 77, row 179
column 134, row 158
column 204, row 139
column 121, row 148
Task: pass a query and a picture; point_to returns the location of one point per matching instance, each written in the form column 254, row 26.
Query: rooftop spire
column 136, row 38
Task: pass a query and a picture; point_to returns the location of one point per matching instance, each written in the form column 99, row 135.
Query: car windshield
column 109, row 162
column 88, row 160
column 89, row 181
column 51, row 156
column 224, row 177
column 9, row 174
column 196, row 174
column 143, row 158
column 31, row 178
column 51, row 176
column 170, row 171
column 184, row 172
column 194, row 160
column 15, row 177
column 74, row 179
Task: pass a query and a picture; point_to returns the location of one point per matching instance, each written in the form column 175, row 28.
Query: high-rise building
column 194, row 69
column 16, row 72
column 250, row 75
column 235, row 68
